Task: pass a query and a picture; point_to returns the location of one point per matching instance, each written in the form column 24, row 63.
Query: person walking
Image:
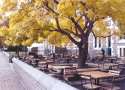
column 10, row 59
column 103, row 53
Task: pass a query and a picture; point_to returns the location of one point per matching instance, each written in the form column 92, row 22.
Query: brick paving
column 9, row 80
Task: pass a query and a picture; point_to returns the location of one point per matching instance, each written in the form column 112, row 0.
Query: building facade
column 113, row 45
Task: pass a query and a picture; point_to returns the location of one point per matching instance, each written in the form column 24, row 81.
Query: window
column 120, row 51
column 123, row 51
column 99, row 42
column 109, row 51
column 95, row 42
column 109, row 41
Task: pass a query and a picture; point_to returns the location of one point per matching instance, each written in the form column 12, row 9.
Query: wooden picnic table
column 45, row 62
column 111, row 65
column 59, row 68
column 112, row 59
column 97, row 75
column 42, row 62
column 50, row 61
column 86, row 69
column 63, row 64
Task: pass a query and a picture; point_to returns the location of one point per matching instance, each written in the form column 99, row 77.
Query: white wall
column 37, row 80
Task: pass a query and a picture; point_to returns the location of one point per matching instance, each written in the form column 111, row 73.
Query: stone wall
column 37, row 80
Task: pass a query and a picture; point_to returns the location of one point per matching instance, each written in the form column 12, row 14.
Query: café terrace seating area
column 97, row 75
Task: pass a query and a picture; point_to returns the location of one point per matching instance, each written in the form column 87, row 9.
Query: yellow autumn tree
column 23, row 29
column 64, row 20
column 7, row 5
column 76, row 19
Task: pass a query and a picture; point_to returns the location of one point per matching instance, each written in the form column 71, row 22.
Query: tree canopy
column 69, row 19
column 61, row 21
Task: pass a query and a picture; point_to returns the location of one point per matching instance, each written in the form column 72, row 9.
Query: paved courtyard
column 9, row 80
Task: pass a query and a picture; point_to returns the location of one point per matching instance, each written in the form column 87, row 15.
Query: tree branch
column 89, row 28
column 75, row 34
column 93, row 34
column 67, row 34
column 57, row 23
column 77, row 26
column 76, row 31
column 84, row 4
column 64, row 32
column 49, row 8
column 56, row 1
column 99, row 18
column 79, row 18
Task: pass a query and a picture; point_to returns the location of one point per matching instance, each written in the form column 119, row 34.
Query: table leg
column 112, row 60
column 110, row 67
column 97, row 81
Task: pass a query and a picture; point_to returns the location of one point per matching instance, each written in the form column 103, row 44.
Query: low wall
column 6, row 54
column 37, row 80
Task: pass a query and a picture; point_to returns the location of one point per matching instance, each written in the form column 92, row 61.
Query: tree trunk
column 83, row 53
column 25, row 50
column 17, row 51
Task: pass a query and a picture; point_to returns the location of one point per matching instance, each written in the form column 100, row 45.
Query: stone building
column 113, row 45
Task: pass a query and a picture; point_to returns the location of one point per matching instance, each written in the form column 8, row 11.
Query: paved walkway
column 9, row 80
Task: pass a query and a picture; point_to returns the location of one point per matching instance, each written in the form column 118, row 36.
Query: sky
column 1, row 1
